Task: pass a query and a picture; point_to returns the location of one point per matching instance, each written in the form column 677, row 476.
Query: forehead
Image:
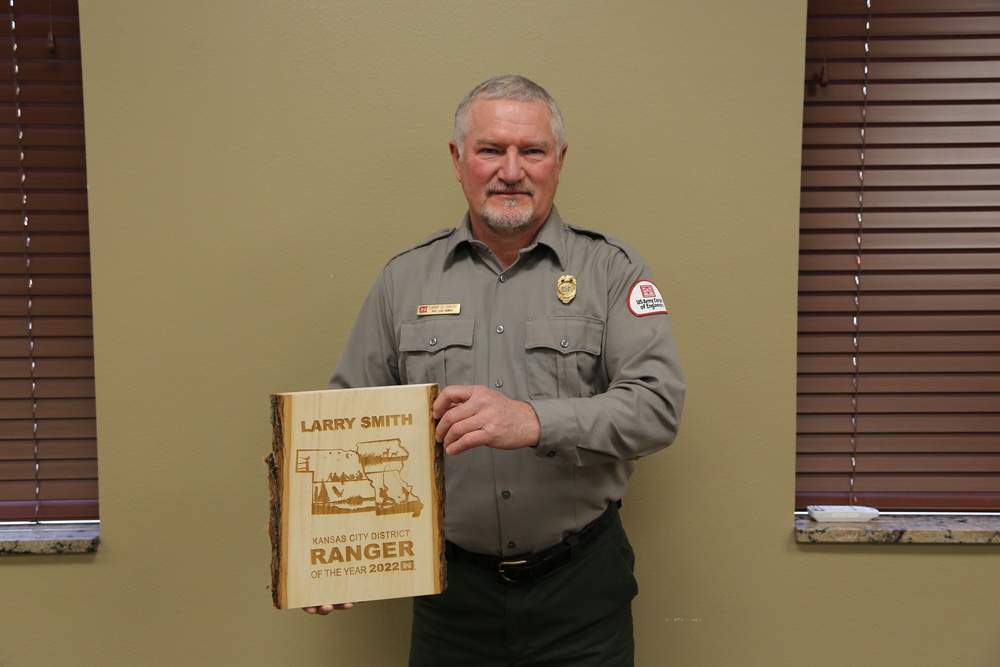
column 494, row 120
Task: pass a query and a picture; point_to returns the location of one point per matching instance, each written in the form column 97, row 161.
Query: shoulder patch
column 436, row 236
column 645, row 299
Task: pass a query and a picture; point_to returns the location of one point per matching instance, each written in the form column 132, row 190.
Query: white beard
column 508, row 220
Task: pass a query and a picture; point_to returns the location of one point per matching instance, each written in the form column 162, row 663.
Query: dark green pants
column 577, row 616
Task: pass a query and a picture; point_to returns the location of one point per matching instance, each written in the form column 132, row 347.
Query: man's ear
column 453, row 148
column 562, row 158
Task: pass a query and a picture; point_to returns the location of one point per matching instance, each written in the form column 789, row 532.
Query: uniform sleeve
column 370, row 359
column 640, row 411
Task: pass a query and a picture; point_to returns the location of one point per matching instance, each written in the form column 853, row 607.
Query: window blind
column 900, row 208
column 48, row 447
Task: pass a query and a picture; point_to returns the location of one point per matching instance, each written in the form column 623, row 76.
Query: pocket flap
column 565, row 334
column 435, row 334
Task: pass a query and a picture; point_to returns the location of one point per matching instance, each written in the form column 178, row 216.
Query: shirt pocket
column 563, row 357
column 437, row 350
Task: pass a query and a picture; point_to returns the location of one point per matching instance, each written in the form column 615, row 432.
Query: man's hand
column 476, row 416
column 327, row 608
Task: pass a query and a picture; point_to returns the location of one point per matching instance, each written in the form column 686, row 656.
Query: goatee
column 508, row 219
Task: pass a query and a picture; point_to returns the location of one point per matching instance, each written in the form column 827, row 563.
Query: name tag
column 439, row 309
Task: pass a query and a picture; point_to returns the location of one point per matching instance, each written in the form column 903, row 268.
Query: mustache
column 520, row 187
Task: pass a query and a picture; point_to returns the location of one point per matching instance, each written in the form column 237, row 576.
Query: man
column 558, row 369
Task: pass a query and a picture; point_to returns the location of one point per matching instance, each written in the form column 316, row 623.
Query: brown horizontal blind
column 920, row 431
column 48, row 448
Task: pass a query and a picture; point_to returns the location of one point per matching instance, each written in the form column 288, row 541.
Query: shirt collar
column 552, row 235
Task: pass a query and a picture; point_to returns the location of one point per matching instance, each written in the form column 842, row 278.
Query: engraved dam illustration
column 367, row 478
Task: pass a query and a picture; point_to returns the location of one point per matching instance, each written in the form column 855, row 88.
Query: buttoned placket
column 499, row 382
column 505, row 311
column 500, row 359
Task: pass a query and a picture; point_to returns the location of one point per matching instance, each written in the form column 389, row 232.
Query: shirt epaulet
column 436, row 236
column 629, row 251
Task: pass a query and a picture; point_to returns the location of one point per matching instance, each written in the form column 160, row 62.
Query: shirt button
column 503, row 277
column 500, row 328
column 564, row 343
column 505, row 494
column 432, row 341
column 498, row 383
column 511, row 544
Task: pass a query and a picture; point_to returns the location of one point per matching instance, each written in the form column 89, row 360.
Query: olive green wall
column 253, row 165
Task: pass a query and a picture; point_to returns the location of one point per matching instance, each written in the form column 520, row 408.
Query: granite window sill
column 902, row 529
column 50, row 539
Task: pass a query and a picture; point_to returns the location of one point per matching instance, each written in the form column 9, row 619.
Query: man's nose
column 511, row 170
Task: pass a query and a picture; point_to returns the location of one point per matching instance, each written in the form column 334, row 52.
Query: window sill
column 50, row 539
column 903, row 529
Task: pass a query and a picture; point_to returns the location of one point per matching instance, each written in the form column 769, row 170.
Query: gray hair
column 509, row 87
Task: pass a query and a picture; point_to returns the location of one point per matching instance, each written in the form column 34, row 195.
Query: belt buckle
column 503, row 575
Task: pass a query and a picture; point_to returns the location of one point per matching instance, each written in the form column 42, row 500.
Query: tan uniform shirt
column 601, row 372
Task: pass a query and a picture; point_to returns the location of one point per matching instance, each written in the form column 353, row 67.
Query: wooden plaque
column 357, row 496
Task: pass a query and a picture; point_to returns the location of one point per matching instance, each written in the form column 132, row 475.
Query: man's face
column 509, row 165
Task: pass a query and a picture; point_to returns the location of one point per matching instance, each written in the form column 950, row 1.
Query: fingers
column 455, row 423
column 467, row 417
column 465, row 435
column 449, row 398
column 449, row 408
column 476, row 416
column 323, row 610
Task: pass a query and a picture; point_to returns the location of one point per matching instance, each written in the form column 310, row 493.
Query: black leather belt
column 528, row 567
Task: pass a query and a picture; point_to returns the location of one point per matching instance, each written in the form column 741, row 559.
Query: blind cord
column 29, row 280
column 852, row 497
